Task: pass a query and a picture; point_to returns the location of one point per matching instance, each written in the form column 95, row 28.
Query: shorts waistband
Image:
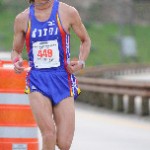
column 48, row 70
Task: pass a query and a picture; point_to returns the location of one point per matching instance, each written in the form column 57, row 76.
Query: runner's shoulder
column 22, row 17
column 70, row 10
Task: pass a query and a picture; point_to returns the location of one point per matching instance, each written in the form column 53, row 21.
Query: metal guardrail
column 113, row 86
column 110, row 92
column 109, row 71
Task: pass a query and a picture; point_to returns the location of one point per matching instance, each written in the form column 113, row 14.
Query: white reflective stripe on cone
column 14, row 99
column 18, row 132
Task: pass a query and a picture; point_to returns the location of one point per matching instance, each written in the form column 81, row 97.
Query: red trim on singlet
column 63, row 36
column 28, row 37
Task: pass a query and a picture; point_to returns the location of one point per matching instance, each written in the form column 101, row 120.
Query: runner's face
column 38, row 0
column 31, row 1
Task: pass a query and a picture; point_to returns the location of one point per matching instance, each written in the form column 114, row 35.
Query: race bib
column 46, row 54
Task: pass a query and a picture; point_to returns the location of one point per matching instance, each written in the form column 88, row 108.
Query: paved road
column 100, row 129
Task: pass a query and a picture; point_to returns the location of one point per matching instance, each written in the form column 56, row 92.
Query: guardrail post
column 90, row 97
column 131, row 104
column 82, row 97
column 108, row 100
column 98, row 101
column 118, row 103
column 145, row 106
column 94, row 98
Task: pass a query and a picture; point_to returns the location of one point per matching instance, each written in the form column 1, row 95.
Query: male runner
column 45, row 29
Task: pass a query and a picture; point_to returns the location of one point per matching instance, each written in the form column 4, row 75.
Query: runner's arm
column 18, row 44
column 19, row 39
column 81, row 32
column 85, row 45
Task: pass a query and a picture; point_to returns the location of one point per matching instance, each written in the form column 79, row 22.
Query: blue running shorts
column 56, row 85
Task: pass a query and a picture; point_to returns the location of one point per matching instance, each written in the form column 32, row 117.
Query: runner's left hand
column 74, row 66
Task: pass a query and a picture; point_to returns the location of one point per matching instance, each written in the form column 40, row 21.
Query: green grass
column 6, row 30
column 105, row 48
column 142, row 37
column 7, row 17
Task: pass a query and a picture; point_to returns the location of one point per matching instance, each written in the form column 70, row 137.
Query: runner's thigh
column 42, row 110
column 64, row 115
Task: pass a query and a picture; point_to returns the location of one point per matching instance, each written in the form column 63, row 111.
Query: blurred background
column 118, row 73
column 119, row 29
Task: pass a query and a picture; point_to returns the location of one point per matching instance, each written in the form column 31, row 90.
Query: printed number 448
column 45, row 53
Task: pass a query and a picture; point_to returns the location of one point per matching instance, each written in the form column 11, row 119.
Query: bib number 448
column 46, row 53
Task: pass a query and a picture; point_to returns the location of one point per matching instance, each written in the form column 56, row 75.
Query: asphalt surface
column 101, row 129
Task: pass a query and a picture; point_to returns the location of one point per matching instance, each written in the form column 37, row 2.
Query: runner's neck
column 41, row 5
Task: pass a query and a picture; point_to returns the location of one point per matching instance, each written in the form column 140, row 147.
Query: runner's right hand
column 18, row 66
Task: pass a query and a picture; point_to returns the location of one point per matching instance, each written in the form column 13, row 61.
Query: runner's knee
column 48, row 132
column 63, row 144
column 49, row 135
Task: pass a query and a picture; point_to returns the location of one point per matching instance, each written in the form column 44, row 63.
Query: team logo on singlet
column 51, row 29
column 51, row 23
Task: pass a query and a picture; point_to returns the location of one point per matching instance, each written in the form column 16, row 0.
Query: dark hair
column 31, row 1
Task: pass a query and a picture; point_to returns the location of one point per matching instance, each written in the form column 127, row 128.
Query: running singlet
column 48, row 47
